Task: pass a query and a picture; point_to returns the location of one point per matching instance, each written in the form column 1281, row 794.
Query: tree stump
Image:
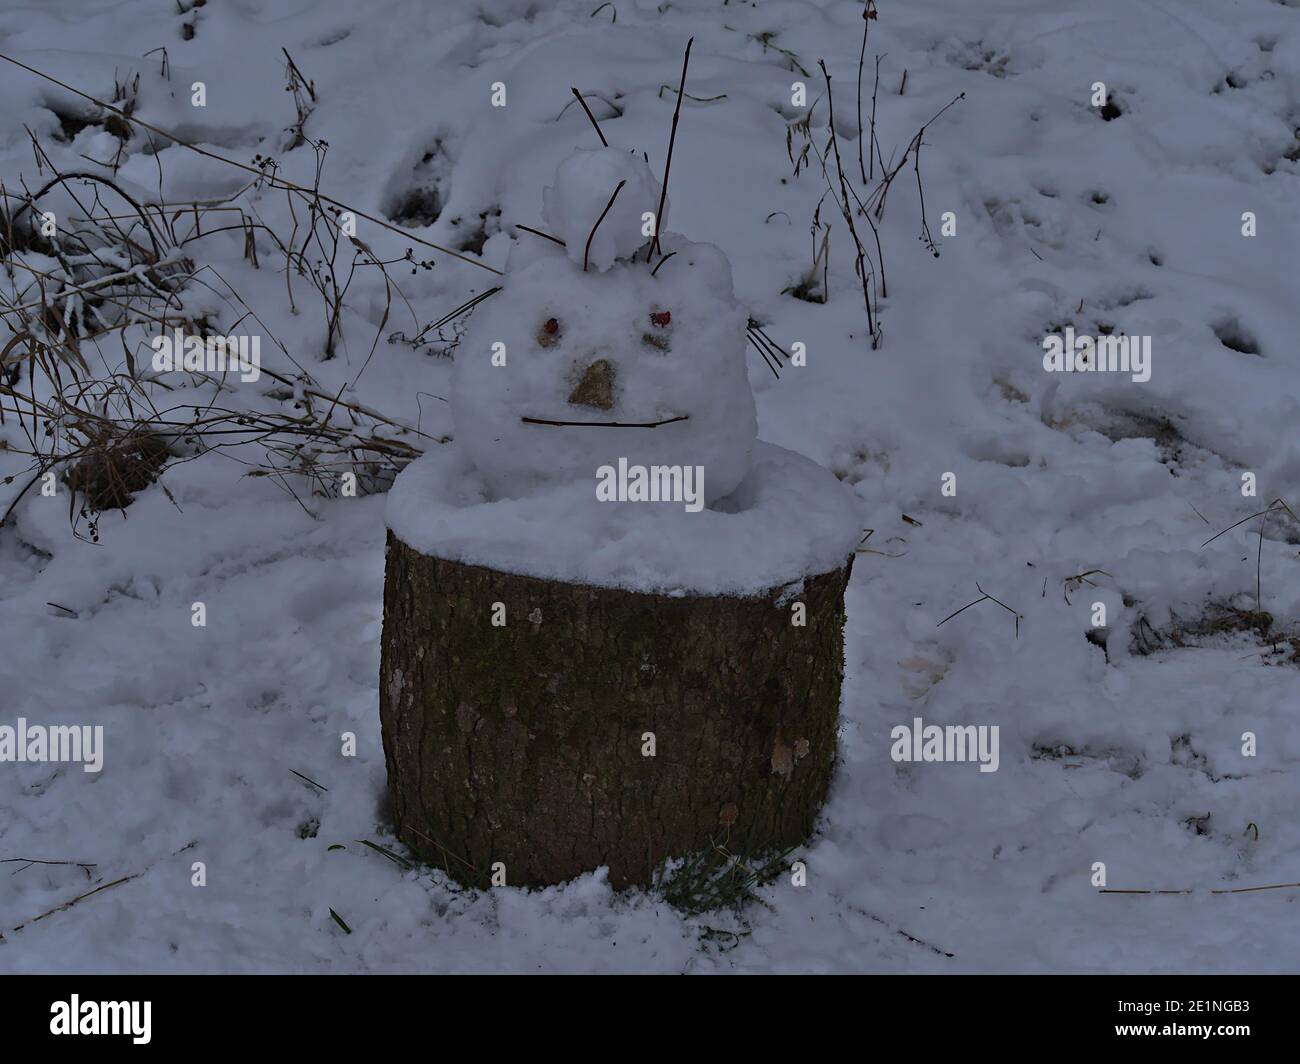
column 600, row 726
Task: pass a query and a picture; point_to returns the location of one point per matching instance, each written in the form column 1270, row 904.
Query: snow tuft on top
column 584, row 183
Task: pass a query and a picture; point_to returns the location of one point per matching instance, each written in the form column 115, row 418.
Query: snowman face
column 606, row 365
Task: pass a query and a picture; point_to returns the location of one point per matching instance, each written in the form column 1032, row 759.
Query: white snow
column 1061, row 218
column 673, row 341
column 585, row 183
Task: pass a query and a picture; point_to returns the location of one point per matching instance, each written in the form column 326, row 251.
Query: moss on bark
column 522, row 744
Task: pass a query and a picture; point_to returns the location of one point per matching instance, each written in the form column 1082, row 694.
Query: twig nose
column 596, row 388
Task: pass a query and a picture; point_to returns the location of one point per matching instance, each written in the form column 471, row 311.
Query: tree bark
column 523, row 744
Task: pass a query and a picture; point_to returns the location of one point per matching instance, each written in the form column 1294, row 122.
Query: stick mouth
column 605, row 424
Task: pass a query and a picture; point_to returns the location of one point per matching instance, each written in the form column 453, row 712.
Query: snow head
column 584, row 183
column 565, row 371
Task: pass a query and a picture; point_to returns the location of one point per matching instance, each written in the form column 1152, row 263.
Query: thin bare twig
column 606, row 424
column 661, row 262
column 271, row 179
column 595, row 125
column 538, row 232
column 1190, row 890
column 590, row 236
column 984, row 597
column 672, row 139
column 80, row 897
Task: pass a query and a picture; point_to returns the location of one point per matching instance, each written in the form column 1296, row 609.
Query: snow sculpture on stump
column 613, row 618
column 588, row 351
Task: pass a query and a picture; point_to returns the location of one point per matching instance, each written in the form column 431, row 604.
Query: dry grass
column 80, row 300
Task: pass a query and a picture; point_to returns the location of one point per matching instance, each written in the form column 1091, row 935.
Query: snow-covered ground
column 1127, row 753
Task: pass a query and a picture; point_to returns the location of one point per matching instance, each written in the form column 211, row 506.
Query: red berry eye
column 551, row 327
column 661, row 318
